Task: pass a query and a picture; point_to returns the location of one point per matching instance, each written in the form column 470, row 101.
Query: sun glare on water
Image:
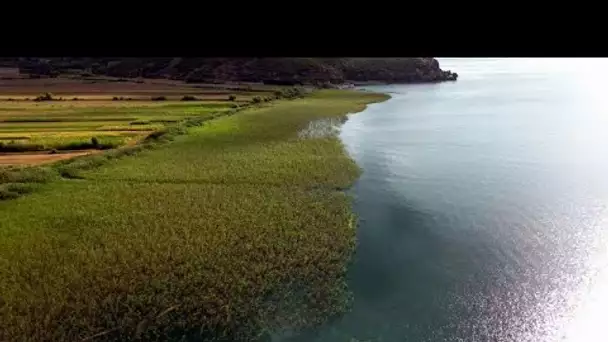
column 587, row 315
column 589, row 319
column 586, row 311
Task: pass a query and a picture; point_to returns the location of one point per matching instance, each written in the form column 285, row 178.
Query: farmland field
column 234, row 231
column 115, row 113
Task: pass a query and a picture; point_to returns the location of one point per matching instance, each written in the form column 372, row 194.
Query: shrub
column 128, row 151
column 69, row 172
column 297, row 91
column 159, row 98
column 232, row 98
column 14, row 190
column 257, row 99
column 21, row 188
column 121, row 98
column 139, row 122
column 115, row 98
column 6, row 194
column 44, row 97
column 85, row 145
column 53, row 151
column 20, row 147
column 72, row 168
column 291, row 93
column 75, row 99
column 189, row 98
column 27, row 175
column 155, row 135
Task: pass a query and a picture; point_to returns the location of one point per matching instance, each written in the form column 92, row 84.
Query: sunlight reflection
column 588, row 319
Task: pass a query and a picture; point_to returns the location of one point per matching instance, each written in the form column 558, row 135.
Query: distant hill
column 317, row 71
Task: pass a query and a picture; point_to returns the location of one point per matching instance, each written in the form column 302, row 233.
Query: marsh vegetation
column 225, row 228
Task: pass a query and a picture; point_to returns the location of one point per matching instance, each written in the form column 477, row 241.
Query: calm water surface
column 483, row 207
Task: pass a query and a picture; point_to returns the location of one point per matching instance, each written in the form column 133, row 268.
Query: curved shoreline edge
column 234, row 229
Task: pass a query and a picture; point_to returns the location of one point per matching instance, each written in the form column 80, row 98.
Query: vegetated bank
column 231, row 232
column 284, row 71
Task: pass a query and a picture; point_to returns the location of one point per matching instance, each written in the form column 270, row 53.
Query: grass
column 229, row 232
column 272, row 160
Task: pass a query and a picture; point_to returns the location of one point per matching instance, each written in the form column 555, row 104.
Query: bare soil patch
column 38, row 158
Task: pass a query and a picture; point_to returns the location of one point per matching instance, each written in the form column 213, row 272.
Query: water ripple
column 483, row 207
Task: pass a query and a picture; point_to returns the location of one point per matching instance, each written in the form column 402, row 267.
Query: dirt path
column 40, row 157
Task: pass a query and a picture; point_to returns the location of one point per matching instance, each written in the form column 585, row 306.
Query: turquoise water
column 483, row 206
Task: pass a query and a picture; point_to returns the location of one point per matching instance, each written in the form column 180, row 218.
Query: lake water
column 483, row 206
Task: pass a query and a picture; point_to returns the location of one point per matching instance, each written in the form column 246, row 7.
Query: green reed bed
column 231, row 232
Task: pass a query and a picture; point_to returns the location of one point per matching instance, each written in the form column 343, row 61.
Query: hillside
column 318, row 71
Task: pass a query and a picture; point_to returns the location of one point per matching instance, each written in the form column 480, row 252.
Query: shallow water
column 483, row 207
column 322, row 128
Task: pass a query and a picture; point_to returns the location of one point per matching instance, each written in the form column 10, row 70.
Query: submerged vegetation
column 232, row 232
